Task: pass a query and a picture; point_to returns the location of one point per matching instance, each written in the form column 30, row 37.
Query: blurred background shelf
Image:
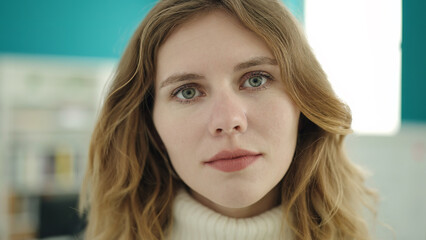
column 48, row 109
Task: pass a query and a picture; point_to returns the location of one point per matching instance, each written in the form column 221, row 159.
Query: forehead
column 208, row 38
column 209, row 23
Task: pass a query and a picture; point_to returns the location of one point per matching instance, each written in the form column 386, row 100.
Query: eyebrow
column 255, row 62
column 180, row 77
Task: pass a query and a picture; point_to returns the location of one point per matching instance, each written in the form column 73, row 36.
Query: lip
column 232, row 161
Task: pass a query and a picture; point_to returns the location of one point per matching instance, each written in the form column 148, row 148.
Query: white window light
column 358, row 43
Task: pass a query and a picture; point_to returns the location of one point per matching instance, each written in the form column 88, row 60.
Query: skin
column 224, row 108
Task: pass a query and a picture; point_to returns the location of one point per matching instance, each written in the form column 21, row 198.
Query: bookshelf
column 48, row 107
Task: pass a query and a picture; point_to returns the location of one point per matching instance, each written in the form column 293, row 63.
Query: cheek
column 279, row 117
column 277, row 123
column 286, row 121
column 170, row 130
column 177, row 132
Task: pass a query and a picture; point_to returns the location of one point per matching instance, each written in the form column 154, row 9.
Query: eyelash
column 244, row 78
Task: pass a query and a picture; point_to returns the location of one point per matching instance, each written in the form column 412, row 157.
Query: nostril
column 231, row 130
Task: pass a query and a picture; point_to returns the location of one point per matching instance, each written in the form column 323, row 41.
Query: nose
column 228, row 116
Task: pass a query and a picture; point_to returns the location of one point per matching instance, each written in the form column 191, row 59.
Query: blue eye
column 187, row 93
column 255, row 80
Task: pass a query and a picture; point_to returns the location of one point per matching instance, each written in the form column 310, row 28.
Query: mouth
column 232, row 161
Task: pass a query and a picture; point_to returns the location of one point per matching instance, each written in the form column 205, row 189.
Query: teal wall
column 102, row 29
column 69, row 27
column 413, row 93
column 75, row 27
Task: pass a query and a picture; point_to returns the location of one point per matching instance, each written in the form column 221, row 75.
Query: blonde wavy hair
column 129, row 186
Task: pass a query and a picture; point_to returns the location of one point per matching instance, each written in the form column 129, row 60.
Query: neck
column 269, row 201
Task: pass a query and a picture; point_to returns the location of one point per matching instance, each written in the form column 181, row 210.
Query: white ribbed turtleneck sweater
column 194, row 221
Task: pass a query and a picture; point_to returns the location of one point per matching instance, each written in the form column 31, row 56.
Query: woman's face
column 223, row 114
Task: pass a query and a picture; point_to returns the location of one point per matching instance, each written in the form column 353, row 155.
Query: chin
column 238, row 199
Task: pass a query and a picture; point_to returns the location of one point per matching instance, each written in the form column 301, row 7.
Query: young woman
column 221, row 124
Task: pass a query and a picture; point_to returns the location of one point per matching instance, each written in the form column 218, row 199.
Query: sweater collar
column 192, row 220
